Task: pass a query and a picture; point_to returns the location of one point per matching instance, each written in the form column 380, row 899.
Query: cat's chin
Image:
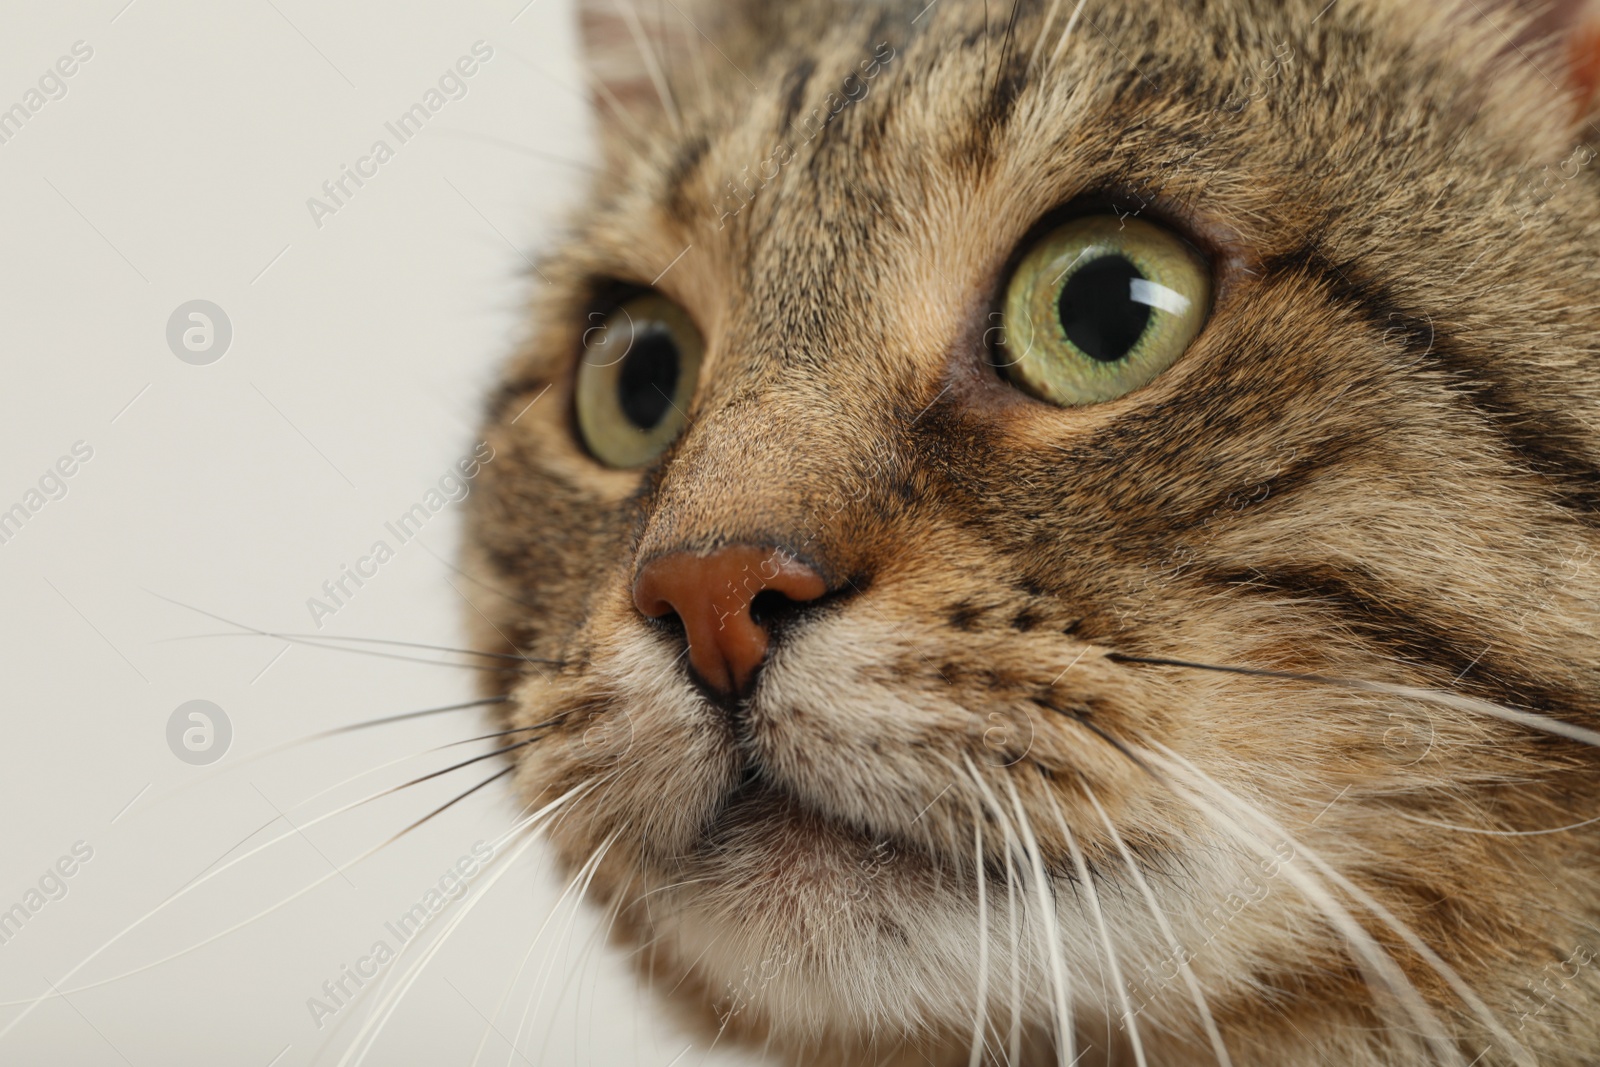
column 802, row 924
column 747, row 892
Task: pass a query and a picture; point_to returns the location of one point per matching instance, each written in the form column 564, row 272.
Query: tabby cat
column 1066, row 532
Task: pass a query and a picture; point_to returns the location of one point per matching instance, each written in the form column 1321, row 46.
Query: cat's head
column 918, row 374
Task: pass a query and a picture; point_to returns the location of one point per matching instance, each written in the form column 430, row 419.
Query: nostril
column 723, row 601
column 772, row 605
column 667, row 620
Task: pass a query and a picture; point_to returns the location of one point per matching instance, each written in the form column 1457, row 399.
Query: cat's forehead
column 837, row 203
column 859, row 203
column 879, row 169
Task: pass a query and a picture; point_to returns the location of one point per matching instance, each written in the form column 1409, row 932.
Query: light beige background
column 177, row 167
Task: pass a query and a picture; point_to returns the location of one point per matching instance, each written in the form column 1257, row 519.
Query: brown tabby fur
column 1379, row 461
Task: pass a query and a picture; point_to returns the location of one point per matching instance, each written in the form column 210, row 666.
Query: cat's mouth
column 847, row 746
column 757, row 799
column 765, row 837
column 763, row 814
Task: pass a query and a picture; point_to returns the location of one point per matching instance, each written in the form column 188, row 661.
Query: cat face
column 942, row 649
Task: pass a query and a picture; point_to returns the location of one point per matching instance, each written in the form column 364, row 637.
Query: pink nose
column 711, row 595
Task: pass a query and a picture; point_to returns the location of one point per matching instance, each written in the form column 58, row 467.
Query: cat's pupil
column 648, row 376
column 1098, row 311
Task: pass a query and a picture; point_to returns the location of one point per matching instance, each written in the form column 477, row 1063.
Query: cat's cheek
column 630, row 736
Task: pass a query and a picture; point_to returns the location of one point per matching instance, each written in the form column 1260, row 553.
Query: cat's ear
column 1553, row 44
column 1561, row 38
column 637, row 55
column 1576, row 23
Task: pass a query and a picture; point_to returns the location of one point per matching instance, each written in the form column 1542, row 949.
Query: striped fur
column 1380, row 461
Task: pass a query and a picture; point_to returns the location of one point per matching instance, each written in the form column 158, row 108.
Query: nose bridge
column 759, row 514
column 764, row 469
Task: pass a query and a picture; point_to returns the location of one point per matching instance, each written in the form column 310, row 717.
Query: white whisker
column 1013, row 848
column 598, row 84
column 586, row 879
column 1014, row 1035
column 1061, row 45
column 1496, row 833
column 184, row 891
column 386, row 1008
column 321, row 642
column 517, row 976
column 1189, row 979
column 981, row 1010
column 1532, row 720
column 652, row 65
column 1082, row 867
column 1067, row 1042
column 338, row 639
column 1371, row 955
column 1044, row 28
column 1440, row 967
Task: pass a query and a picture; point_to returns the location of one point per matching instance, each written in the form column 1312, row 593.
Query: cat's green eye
column 1099, row 307
column 635, row 380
